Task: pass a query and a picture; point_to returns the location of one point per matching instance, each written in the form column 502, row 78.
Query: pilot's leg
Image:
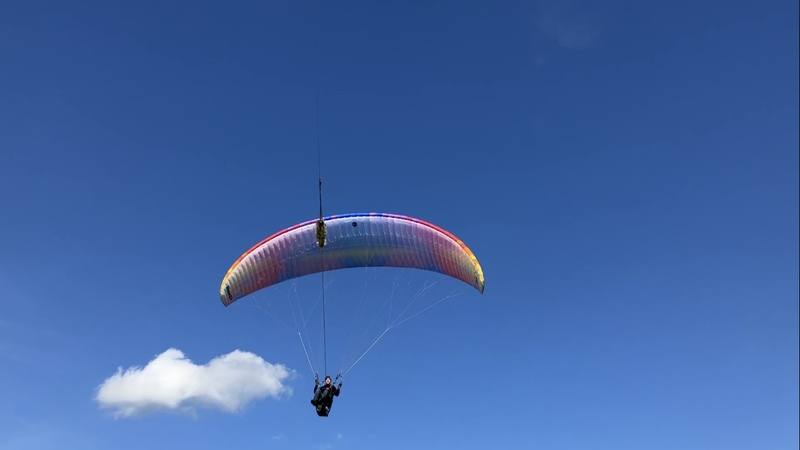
column 317, row 397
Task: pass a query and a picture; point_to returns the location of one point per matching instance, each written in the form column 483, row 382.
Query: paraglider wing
column 351, row 240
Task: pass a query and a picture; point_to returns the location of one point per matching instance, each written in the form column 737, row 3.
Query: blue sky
column 626, row 172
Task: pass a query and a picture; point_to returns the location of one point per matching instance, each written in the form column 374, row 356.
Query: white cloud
column 173, row 382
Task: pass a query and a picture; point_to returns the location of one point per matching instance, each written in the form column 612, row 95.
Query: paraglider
column 350, row 240
column 324, row 393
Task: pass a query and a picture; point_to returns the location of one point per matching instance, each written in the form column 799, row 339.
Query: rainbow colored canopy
column 353, row 240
